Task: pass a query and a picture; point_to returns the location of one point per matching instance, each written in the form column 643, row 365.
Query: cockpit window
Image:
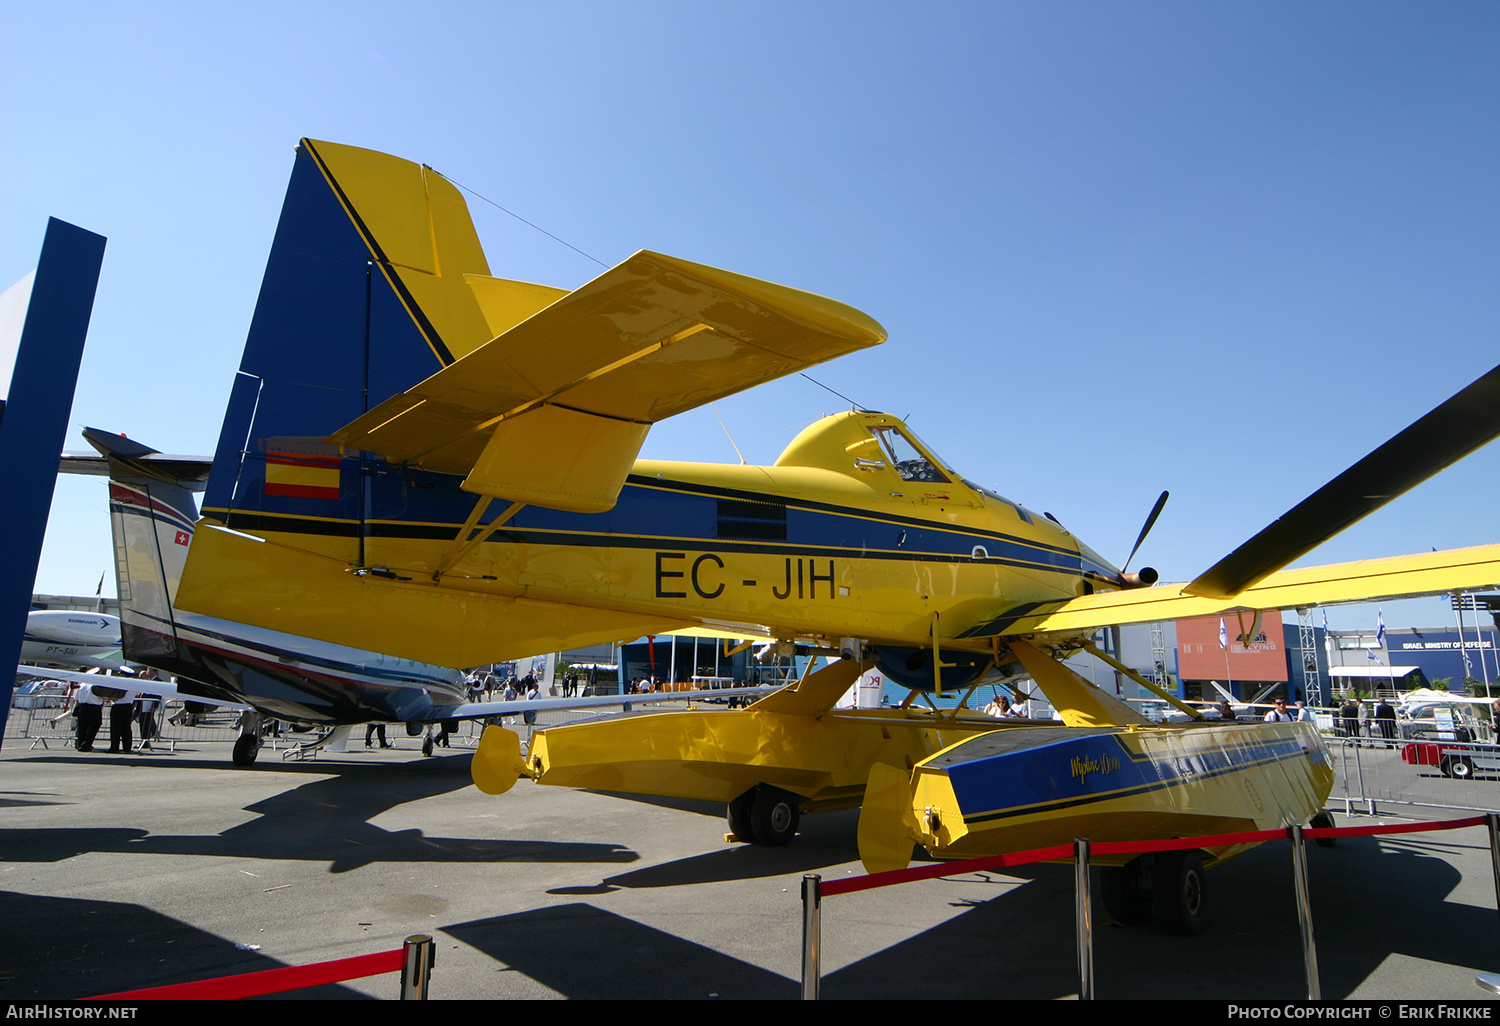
column 907, row 458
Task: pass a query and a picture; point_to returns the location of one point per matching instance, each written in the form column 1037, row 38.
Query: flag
column 1223, row 634
column 1380, row 627
column 302, row 475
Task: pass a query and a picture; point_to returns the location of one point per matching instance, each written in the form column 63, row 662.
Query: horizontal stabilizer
column 648, row 339
column 190, row 472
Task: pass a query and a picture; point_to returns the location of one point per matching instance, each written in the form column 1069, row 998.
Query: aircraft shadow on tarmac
column 825, row 840
column 9, row 799
column 1369, row 902
column 325, row 819
column 581, row 951
column 79, row 948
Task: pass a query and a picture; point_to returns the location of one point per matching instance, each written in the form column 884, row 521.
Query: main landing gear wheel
column 1318, row 822
column 738, row 814
column 1177, row 892
column 1124, row 893
column 246, row 747
column 773, row 816
column 427, row 745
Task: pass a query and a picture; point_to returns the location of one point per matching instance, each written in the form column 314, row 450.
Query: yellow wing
column 1366, row 580
column 544, row 396
column 554, row 410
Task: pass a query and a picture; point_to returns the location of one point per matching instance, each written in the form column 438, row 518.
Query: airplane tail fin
column 151, row 514
column 376, row 281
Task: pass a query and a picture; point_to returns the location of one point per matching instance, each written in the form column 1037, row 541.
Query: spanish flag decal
column 302, row 476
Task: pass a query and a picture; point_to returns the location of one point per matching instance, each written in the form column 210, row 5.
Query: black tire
column 1178, row 895
column 1458, row 767
column 738, row 814
column 427, row 745
column 773, row 816
column 1123, row 893
column 246, row 748
column 1318, row 822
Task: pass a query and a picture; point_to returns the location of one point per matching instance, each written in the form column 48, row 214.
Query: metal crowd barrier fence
column 40, row 720
column 176, row 726
column 414, row 960
column 1081, row 850
column 1432, row 772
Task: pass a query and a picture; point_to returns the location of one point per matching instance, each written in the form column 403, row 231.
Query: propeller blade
column 1150, row 523
column 1444, row 436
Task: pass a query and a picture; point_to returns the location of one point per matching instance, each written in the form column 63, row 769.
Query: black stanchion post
column 1491, row 981
column 812, row 910
column 1304, row 912
column 1083, row 914
column 419, row 955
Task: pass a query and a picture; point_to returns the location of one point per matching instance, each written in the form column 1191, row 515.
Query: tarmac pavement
column 120, row 872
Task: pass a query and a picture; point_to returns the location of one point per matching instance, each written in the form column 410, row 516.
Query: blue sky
column 1223, row 249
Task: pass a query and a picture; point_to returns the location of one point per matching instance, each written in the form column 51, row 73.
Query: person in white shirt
column 1278, row 713
column 88, row 712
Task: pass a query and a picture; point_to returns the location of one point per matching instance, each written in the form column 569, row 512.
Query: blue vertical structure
column 35, row 419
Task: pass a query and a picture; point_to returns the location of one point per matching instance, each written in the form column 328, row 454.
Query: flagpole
column 1224, row 644
column 1390, row 671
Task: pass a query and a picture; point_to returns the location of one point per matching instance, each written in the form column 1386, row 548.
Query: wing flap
column 1367, row 580
column 650, row 338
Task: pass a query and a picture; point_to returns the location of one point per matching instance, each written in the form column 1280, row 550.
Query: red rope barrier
column 1394, row 828
column 269, row 981
column 1065, row 851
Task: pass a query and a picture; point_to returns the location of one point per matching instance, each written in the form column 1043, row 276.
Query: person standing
column 121, row 719
column 1385, row 720
column 1349, row 717
column 1278, row 713
column 533, row 692
column 88, row 715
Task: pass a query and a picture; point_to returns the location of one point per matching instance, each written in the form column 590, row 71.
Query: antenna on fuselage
column 841, row 395
column 720, row 419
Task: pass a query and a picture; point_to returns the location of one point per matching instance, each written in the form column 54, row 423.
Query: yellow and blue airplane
column 422, row 459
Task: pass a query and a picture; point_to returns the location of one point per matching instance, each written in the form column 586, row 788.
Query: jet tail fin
column 151, row 512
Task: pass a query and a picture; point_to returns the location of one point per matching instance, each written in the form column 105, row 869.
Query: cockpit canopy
column 865, row 442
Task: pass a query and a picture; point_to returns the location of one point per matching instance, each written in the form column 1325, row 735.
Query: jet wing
column 473, row 710
column 1367, row 580
column 554, row 410
column 159, row 688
